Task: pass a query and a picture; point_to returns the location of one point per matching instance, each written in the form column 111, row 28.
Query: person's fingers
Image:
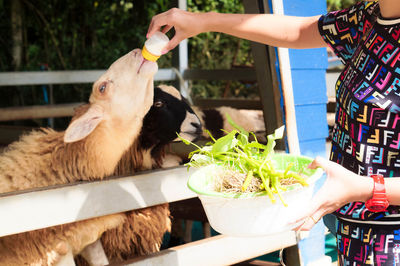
column 304, row 218
column 310, row 220
column 306, row 224
column 166, row 28
column 150, row 28
column 313, row 206
column 317, row 207
column 320, row 162
column 156, row 23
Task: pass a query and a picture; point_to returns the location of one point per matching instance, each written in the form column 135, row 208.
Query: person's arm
column 342, row 187
column 392, row 186
column 275, row 30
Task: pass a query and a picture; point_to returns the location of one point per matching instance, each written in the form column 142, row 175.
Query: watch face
column 375, row 205
column 376, row 208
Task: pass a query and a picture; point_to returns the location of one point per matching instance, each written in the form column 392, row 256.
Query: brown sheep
column 142, row 231
column 89, row 149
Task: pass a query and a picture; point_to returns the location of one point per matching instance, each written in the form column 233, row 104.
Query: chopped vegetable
column 250, row 159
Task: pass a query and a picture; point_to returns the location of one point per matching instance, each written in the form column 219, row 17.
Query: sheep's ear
column 84, row 125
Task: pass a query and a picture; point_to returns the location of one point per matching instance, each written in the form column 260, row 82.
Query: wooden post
column 180, row 61
column 264, row 61
column 287, row 90
column 16, row 28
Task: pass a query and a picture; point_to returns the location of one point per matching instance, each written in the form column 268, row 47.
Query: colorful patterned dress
column 366, row 135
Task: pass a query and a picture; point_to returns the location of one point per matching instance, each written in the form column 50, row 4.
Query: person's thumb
column 319, row 162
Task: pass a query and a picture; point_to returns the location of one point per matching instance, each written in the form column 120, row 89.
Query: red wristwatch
column 378, row 202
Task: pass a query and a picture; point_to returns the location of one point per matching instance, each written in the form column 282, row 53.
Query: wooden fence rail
column 89, row 76
column 37, row 111
column 74, row 202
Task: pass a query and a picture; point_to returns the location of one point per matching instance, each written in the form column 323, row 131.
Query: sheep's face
column 121, row 96
column 125, row 91
column 169, row 115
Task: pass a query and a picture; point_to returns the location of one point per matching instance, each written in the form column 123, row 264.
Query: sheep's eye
column 158, row 104
column 103, row 87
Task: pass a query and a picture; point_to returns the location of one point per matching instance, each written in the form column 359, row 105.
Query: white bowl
column 253, row 214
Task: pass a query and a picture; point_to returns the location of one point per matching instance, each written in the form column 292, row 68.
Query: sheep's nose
column 196, row 125
column 198, row 128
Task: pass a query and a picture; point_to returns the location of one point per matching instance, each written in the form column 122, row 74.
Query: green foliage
column 72, row 35
column 84, row 34
column 213, row 50
column 339, row 4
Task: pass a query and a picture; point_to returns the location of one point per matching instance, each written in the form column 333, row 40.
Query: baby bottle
column 153, row 46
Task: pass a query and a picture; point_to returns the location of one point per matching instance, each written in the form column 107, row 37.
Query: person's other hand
column 186, row 25
column 341, row 187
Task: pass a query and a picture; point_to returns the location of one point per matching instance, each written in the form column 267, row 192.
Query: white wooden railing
column 90, row 76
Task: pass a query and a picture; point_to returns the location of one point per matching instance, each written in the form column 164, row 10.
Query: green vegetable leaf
column 247, row 181
column 201, row 159
column 243, row 136
column 209, row 133
column 187, row 142
column 233, row 124
column 225, row 143
column 256, row 145
column 278, row 134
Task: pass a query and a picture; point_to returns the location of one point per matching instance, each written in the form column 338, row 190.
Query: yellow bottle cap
column 149, row 56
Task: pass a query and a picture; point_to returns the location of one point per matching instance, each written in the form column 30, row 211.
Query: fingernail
column 147, row 35
column 164, row 52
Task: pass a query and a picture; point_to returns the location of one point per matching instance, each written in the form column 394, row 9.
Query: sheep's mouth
column 189, row 135
column 141, row 64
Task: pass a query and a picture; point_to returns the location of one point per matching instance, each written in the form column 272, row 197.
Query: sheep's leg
column 66, row 260
column 94, row 254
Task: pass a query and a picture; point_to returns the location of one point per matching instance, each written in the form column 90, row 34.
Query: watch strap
column 378, row 202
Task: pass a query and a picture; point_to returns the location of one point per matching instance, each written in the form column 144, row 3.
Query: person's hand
column 186, row 25
column 341, row 187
